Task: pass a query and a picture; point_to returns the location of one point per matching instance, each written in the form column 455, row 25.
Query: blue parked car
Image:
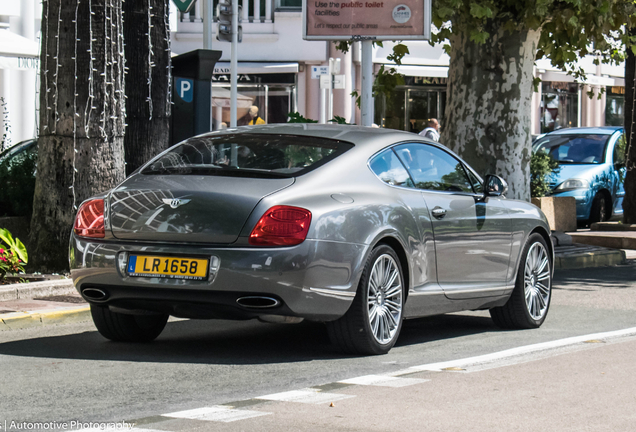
column 592, row 161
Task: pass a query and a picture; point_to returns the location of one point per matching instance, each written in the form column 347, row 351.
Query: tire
column 528, row 305
column 127, row 328
column 599, row 211
column 373, row 322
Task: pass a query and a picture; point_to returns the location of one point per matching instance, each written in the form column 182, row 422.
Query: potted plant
column 560, row 211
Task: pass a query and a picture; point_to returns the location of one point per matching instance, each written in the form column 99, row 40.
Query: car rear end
column 191, row 234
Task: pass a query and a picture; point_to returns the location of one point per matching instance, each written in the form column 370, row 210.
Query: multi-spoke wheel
column 373, row 323
column 530, row 300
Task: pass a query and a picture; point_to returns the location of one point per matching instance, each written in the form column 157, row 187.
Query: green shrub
column 542, row 167
column 17, row 184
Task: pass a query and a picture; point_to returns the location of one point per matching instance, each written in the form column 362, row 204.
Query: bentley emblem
column 175, row 202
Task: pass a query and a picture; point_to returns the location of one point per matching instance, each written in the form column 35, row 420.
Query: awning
column 589, row 80
column 421, row 71
column 223, row 68
column 17, row 52
column 221, row 98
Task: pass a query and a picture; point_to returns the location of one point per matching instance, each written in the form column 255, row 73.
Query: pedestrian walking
column 432, row 131
column 255, row 119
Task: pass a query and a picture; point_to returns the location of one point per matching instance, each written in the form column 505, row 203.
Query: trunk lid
column 187, row 208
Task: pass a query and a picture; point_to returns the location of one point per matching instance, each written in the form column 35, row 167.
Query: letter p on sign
column 184, row 89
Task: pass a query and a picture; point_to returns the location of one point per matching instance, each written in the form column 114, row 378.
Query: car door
column 390, row 170
column 472, row 235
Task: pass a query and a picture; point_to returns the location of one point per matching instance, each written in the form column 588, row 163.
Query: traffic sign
column 184, row 5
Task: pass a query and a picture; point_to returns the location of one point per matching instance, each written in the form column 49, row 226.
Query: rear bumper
column 315, row 280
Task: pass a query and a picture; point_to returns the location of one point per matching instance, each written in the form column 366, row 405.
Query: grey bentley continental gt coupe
column 355, row 227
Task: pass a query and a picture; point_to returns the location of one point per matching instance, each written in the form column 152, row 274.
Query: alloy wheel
column 384, row 299
column 537, row 281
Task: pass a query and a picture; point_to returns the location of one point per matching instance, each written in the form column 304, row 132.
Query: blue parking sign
column 185, row 89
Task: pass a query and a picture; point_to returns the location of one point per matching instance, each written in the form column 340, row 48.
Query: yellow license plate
column 168, row 267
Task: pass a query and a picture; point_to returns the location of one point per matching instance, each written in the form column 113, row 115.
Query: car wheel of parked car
column 126, row 327
column 528, row 305
column 373, row 322
column 599, row 211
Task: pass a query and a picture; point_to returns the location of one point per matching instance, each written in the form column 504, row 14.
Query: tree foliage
column 569, row 29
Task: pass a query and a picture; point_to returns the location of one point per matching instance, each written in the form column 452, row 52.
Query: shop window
column 289, row 4
column 409, row 107
column 614, row 106
column 559, row 105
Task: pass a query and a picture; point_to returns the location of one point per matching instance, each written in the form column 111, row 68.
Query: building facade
column 19, row 66
column 274, row 68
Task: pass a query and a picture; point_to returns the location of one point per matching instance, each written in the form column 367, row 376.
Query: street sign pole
column 207, row 24
column 234, row 63
column 366, row 100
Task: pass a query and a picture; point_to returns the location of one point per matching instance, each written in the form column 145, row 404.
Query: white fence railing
column 261, row 12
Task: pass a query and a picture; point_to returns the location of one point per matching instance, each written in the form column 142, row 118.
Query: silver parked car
column 356, row 227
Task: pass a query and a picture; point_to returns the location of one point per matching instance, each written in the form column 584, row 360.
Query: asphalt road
column 69, row 372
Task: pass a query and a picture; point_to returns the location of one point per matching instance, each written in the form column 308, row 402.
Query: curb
column 612, row 226
column 21, row 320
column 597, row 258
column 608, row 241
column 30, row 290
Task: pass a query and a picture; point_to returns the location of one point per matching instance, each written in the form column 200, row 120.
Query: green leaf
column 479, row 37
column 296, row 117
column 21, row 250
column 478, row 11
column 7, row 238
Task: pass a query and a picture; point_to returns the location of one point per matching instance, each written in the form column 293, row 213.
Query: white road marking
column 520, row 352
column 309, row 396
column 216, row 413
column 383, row 381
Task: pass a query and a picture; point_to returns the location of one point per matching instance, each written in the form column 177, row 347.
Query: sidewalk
column 40, row 303
column 608, row 234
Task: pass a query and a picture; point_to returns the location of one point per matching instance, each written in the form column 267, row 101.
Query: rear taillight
column 89, row 221
column 281, row 226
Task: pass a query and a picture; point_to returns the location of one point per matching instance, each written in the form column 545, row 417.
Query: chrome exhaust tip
column 257, row 302
column 94, row 294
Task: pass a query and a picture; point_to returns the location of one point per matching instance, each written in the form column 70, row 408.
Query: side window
column 619, row 151
column 434, row 169
column 477, row 186
column 390, row 170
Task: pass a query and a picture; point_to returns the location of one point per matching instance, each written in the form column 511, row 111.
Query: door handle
column 439, row 213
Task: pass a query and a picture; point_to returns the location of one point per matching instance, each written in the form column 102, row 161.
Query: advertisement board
column 367, row 19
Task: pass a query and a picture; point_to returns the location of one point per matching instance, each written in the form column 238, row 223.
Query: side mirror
column 495, row 186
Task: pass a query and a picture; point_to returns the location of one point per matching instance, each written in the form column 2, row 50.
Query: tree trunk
column 629, row 202
column 80, row 147
column 148, row 77
column 489, row 105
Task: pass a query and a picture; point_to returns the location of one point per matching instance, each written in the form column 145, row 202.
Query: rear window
column 248, row 155
column 574, row 149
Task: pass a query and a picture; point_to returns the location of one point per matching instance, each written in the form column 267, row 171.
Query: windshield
column 247, row 155
column 574, row 149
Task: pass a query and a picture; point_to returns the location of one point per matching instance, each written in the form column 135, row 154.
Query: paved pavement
column 454, row 372
column 578, row 384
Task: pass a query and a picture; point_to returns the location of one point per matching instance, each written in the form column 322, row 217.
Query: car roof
column 367, row 138
column 598, row 130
